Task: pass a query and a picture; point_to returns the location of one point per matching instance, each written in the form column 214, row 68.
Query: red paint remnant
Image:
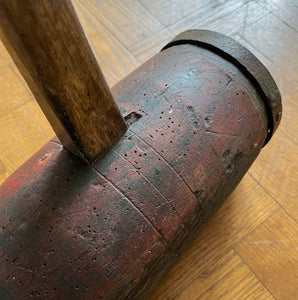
column 109, row 230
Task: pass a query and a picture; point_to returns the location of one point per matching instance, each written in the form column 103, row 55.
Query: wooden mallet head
column 111, row 223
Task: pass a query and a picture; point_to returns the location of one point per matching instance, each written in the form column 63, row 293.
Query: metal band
column 245, row 61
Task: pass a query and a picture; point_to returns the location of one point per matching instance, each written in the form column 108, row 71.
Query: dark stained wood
column 24, row 130
column 114, row 229
column 201, row 266
column 52, row 52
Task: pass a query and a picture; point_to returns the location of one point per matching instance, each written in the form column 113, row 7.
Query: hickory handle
column 51, row 50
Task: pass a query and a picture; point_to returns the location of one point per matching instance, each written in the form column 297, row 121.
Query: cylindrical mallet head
column 199, row 113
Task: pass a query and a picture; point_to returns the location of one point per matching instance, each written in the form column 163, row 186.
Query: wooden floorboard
column 229, row 272
column 12, row 91
column 227, row 17
column 271, row 253
column 271, row 36
column 247, row 207
column 128, row 20
column 5, row 59
column 115, row 60
column 170, row 12
column 249, row 249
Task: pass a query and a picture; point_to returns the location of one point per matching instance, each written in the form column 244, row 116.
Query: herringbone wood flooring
column 249, row 249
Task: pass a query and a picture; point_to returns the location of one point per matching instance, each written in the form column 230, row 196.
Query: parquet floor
column 250, row 248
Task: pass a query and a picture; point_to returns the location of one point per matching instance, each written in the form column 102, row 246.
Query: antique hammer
column 104, row 210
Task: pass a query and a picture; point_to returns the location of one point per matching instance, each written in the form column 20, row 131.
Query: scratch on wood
column 150, row 183
column 129, row 200
column 168, row 164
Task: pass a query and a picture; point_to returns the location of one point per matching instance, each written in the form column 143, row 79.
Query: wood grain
column 240, row 214
column 3, row 173
column 5, row 59
column 285, row 10
column 13, row 94
column 271, row 34
column 227, row 17
column 156, row 191
column 228, row 278
column 148, row 47
column 169, row 13
column 115, row 60
column 277, row 33
column 62, row 72
column 23, row 135
column 3, row 177
column 135, row 21
column 21, row 79
column 271, row 253
column 278, row 163
column 287, row 84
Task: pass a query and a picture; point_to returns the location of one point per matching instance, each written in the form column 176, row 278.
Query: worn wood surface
column 268, row 189
column 196, row 123
column 50, row 49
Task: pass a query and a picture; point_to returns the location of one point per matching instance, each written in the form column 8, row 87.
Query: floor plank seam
column 213, row 285
column 109, row 32
column 273, row 198
column 248, row 266
column 277, row 16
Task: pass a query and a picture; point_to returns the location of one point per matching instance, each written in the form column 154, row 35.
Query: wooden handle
column 49, row 46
